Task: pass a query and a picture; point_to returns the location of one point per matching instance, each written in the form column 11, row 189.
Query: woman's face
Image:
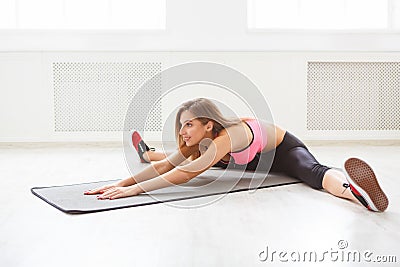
column 192, row 130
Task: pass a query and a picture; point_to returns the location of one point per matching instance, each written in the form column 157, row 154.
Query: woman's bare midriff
column 274, row 133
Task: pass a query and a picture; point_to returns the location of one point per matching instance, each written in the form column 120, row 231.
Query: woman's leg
column 145, row 153
column 306, row 168
column 335, row 182
column 358, row 184
column 154, row 155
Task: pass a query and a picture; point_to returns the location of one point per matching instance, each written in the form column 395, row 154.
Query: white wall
column 27, row 104
column 196, row 31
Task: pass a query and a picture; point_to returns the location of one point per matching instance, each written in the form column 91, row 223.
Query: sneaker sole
column 134, row 139
column 363, row 179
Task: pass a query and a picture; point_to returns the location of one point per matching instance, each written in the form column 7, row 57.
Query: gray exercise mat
column 213, row 182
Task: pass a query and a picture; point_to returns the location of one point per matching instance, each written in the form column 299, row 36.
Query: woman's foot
column 140, row 147
column 364, row 185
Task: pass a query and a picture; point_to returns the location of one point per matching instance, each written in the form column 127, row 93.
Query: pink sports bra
column 256, row 145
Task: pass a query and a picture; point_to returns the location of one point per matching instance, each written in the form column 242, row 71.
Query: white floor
column 235, row 231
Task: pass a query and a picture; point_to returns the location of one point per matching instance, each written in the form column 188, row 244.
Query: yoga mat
column 70, row 198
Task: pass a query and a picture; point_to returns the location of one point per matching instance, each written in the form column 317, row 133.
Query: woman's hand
column 119, row 192
column 101, row 190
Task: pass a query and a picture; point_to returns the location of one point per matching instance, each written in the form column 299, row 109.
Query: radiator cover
column 353, row 96
column 94, row 96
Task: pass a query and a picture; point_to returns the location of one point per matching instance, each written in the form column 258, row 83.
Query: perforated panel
column 95, row 96
column 353, row 96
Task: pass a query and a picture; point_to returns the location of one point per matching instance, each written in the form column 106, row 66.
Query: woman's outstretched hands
column 100, row 190
column 118, row 192
column 112, row 191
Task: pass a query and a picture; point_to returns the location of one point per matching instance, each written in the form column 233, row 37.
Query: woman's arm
column 154, row 170
column 178, row 175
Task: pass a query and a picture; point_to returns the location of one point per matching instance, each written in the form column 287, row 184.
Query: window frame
column 387, row 30
column 84, row 30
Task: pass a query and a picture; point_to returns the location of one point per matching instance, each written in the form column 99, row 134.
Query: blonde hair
column 203, row 110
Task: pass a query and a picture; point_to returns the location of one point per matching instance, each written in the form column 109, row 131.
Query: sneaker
column 364, row 185
column 140, row 146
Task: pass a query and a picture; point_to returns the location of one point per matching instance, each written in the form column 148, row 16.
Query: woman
column 209, row 139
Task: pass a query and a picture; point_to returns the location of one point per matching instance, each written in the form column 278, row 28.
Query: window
column 324, row 14
column 83, row 14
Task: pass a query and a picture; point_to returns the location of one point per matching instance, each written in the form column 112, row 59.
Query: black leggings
column 291, row 158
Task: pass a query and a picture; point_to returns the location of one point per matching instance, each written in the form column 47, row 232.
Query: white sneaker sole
column 363, row 179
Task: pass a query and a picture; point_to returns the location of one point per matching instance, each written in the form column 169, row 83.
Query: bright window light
column 88, row 14
column 319, row 14
column 83, row 14
column 7, row 14
column 396, row 14
column 143, row 14
column 39, row 14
